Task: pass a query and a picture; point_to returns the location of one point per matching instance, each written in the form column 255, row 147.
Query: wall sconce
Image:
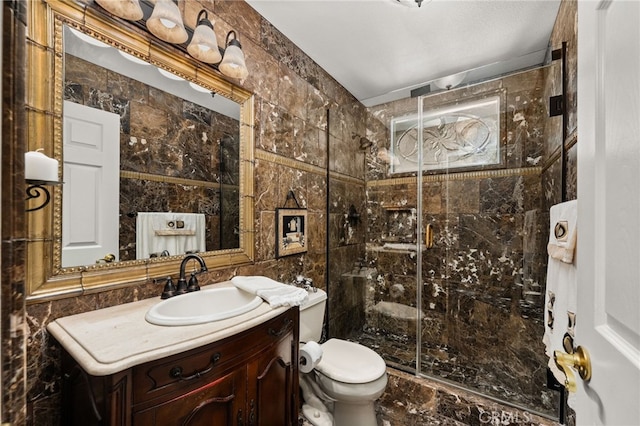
column 165, row 22
column 204, row 44
column 126, row 9
column 39, row 170
column 233, row 64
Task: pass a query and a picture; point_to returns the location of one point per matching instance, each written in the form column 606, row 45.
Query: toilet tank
column 312, row 316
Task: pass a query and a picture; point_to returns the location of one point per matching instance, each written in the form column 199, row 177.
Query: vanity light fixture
column 233, row 64
column 166, row 23
column 204, row 44
column 126, row 9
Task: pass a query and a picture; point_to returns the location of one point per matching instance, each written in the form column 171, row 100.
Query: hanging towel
column 273, row 292
column 177, row 233
column 561, row 291
column 563, row 233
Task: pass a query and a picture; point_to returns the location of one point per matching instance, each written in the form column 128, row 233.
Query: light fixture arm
column 205, row 20
column 234, row 41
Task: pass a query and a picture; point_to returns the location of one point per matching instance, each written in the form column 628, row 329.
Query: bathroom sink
column 214, row 304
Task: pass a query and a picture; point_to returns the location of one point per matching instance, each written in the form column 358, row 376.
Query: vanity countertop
column 110, row 340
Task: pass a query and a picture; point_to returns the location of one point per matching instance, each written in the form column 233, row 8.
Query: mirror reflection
column 151, row 161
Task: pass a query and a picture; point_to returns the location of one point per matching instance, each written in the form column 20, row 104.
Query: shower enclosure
column 450, row 286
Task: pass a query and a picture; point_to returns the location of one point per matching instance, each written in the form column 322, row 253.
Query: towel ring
column 560, row 230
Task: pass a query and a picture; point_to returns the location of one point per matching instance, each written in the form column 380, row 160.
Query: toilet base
column 349, row 414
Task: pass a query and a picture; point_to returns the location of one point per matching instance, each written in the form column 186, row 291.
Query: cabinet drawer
column 220, row 402
column 184, row 372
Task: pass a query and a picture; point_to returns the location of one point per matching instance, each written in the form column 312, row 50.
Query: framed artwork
column 460, row 136
column 291, row 226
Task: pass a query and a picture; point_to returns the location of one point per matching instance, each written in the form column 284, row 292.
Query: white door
column 90, row 195
column 608, row 322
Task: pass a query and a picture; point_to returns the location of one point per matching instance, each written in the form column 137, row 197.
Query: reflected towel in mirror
column 177, row 233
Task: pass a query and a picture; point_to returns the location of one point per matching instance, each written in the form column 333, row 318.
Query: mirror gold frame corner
column 46, row 279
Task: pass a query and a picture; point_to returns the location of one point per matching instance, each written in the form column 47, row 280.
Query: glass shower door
column 481, row 327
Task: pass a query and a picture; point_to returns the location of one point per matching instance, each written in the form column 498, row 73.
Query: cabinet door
column 220, row 402
column 273, row 385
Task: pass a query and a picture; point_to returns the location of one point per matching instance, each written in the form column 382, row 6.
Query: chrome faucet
column 170, row 290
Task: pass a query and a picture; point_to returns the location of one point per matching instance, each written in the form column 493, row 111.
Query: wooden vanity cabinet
column 244, row 380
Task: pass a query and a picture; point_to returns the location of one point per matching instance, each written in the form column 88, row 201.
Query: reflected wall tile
column 85, row 74
column 148, row 122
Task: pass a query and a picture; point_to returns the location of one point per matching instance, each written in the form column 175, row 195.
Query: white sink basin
column 203, row 306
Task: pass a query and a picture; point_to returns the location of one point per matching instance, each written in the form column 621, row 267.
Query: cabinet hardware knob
column 285, row 327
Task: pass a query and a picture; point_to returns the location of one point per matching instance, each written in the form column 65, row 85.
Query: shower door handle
column 428, row 236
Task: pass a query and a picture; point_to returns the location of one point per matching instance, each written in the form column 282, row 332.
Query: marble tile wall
column 14, row 333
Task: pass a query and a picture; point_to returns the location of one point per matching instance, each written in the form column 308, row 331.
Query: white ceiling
column 381, row 49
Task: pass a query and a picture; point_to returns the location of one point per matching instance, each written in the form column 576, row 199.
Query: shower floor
column 444, row 363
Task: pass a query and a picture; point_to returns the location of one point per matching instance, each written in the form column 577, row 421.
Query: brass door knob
column 108, row 258
column 579, row 360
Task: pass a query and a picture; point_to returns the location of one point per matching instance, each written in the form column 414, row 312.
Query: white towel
column 158, row 231
column 564, row 232
column 561, row 291
column 273, row 292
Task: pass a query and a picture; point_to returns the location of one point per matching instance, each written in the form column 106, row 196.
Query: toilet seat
column 350, row 362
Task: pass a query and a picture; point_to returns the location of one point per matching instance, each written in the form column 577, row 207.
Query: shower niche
column 400, row 225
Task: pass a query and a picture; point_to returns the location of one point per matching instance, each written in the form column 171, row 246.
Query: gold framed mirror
column 47, row 276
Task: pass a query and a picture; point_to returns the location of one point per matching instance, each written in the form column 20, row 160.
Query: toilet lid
column 350, row 362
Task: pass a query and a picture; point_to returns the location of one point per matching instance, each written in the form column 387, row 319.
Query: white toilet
column 350, row 377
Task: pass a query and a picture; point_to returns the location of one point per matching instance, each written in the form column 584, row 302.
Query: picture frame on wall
column 291, row 226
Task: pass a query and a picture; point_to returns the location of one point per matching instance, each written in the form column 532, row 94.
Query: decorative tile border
column 483, row 174
column 300, row 165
